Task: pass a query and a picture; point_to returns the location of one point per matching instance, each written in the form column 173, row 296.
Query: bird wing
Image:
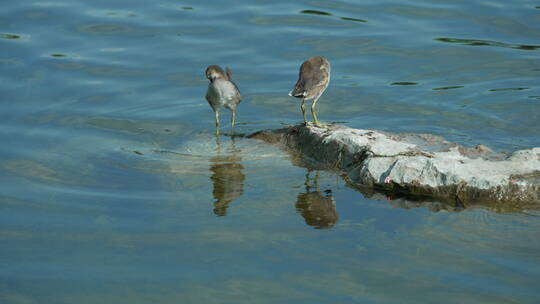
column 228, row 90
column 237, row 96
column 228, row 71
column 308, row 78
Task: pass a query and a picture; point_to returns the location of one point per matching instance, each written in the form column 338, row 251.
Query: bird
column 222, row 91
column 313, row 79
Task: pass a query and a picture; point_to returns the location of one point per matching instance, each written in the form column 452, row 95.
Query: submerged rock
column 416, row 165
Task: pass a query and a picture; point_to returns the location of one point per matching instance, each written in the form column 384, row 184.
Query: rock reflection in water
column 318, row 208
column 227, row 179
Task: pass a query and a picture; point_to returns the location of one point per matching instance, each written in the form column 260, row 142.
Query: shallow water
column 114, row 188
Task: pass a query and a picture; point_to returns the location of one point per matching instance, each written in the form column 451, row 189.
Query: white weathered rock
column 416, row 164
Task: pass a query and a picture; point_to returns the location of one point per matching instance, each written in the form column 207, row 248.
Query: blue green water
column 114, row 189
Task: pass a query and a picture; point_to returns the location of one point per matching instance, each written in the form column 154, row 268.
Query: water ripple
column 448, row 88
column 14, row 37
column 113, row 29
column 352, row 19
column 477, row 42
column 323, row 13
column 9, row 36
column 315, row 12
column 404, row 83
column 112, row 14
column 508, row 89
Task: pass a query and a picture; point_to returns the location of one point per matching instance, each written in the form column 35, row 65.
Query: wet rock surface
column 416, row 166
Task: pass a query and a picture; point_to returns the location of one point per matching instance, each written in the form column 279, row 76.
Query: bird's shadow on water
column 227, row 176
column 220, row 155
column 318, row 208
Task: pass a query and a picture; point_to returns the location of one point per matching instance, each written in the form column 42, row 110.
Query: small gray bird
column 313, row 79
column 222, row 91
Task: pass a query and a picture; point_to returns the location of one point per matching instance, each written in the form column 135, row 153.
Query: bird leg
column 316, row 180
column 217, row 122
column 303, row 107
column 314, row 113
column 306, row 183
column 233, row 118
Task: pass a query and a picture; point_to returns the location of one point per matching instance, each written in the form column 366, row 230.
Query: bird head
column 214, row 72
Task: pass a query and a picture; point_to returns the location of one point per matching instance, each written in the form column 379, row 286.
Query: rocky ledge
column 416, row 165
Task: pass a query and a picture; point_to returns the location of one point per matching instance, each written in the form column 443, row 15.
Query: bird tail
column 297, row 94
column 228, row 72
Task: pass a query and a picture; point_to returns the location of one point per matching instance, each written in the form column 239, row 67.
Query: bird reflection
column 227, row 179
column 318, row 208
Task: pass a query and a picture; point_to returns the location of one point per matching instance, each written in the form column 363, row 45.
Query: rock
column 416, row 165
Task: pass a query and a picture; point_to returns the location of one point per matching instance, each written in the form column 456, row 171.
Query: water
column 114, row 189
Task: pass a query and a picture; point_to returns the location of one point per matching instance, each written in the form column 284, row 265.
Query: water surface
column 114, row 188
